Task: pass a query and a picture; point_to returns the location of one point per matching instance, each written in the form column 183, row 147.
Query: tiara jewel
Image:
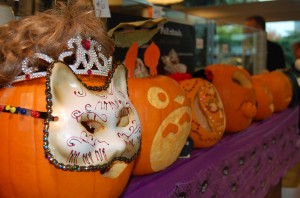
column 89, row 60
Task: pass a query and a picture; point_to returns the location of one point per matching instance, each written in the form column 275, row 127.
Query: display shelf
column 244, row 164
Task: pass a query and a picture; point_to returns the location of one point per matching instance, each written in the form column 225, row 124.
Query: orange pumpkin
column 265, row 105
column 280, row 87
column 26, row 172
column 164, row 111
column 235, row 87
column 208, row 121
column 165, row 114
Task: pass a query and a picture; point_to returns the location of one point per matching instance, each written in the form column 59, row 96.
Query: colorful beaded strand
column 24, row 111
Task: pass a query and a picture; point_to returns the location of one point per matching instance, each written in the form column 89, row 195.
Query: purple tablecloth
column 244, row 164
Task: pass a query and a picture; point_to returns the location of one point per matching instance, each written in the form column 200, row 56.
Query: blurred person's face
column 250, row 24
column 296, row 51
column 253, row 24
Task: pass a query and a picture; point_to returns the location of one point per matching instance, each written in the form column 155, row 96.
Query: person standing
column 274, row 56
column 296, row 53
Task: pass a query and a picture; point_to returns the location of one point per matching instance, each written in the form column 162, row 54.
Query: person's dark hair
column 259, row 20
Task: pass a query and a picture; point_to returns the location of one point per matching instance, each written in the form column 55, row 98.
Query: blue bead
column 18, row 109
column 23, row 111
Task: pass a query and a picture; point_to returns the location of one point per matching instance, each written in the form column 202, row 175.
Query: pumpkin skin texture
column 25, row 172
column 165, row 114
column 264, row 97
column 235, row 87
column 280, row 87
column 209, row 121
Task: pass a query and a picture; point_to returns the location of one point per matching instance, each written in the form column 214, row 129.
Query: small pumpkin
column 280, row 87
column 208, row 121
column 264, row 97
column 236, row 90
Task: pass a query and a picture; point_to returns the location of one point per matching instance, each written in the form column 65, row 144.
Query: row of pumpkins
column 169, row 112
column 227, row 100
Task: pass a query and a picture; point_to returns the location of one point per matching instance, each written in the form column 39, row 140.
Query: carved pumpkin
column 165, row 114
column 164, row 111
column 26, row 172
column 264, row 97
column 235, row 87
column 280, row 87
column 208, row 121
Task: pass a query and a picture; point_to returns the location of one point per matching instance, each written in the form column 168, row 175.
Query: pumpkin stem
column 130, row 59
column 151, row 58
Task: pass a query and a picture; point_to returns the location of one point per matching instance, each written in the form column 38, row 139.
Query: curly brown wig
column 48, row 32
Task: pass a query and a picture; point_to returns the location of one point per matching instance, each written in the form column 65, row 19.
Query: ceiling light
column 164, row 2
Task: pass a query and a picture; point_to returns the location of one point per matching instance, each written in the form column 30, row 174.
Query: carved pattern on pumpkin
column 158, row 98
column 165, row 114
column 265, row 105
column 280, row 87
column 235, row 87
column 208, row 123
column 171, row 128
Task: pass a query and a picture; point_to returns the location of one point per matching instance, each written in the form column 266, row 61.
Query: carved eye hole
column 123, row 118
column 92, row 126
column 158, row 98
column 241, row 79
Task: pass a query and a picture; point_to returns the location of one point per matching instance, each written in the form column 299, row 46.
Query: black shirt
column 275, row 56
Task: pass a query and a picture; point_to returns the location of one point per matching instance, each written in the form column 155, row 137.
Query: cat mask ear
column 120, row 79
column 62, row 78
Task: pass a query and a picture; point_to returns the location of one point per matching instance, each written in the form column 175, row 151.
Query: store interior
column 201, row 49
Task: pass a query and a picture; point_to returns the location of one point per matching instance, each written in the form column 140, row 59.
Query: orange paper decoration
column 130, row 59
column 151, row 58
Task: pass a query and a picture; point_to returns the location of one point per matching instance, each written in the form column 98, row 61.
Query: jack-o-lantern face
column 208, row 124
column 94, row 127
column 237, row 93
column 265, row 105
column 280, row 86
column 165, row 115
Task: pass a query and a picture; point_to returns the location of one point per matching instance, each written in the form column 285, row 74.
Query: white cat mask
column 94, row 128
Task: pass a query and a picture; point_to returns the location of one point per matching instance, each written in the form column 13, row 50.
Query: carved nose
column 248, row 109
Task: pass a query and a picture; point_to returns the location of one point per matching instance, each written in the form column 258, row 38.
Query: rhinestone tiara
column 89, row 60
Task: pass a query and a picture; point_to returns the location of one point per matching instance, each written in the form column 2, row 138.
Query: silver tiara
column 89, row 60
